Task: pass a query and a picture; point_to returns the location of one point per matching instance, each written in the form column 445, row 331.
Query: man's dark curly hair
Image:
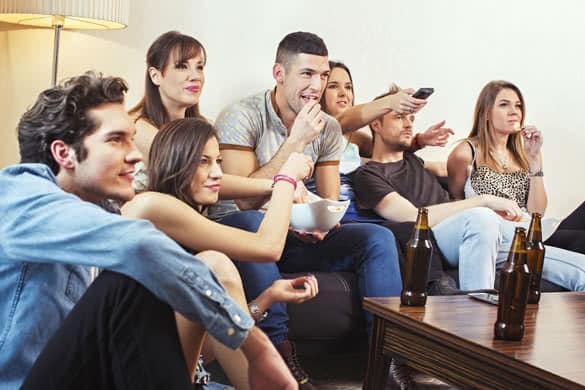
column 62, row 113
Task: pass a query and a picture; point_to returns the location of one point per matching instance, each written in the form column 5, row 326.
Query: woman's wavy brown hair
column 175, row 154
column 482, row 129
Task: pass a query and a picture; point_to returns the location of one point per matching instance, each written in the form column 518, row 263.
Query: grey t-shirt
column 252, row 124
column 408, row 177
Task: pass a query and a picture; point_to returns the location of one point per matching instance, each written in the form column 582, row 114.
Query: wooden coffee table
column 452, row 339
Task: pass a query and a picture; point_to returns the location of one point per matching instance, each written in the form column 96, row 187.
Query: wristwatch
column 257, row 315
column 538, row 173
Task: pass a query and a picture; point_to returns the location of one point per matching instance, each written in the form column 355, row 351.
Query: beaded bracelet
column 284, row 177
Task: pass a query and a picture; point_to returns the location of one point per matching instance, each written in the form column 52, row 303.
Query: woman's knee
column 486, row 223
column 223, row 268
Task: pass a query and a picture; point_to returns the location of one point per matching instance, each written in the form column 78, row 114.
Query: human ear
column 278, row 73
column 154, row 75
column 376, row 125
column 63, row 154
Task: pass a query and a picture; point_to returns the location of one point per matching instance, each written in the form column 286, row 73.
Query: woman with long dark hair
column 186, row 177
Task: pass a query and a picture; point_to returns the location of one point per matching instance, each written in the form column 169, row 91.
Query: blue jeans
column 366, row 249
column 470, row 239
column 563, row 267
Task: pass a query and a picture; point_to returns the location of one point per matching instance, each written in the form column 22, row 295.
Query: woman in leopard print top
column 503, row 157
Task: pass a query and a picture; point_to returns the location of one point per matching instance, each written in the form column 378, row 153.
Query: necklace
column 503, row 159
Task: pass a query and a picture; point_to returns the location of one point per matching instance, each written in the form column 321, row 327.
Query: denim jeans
column 563, row 267
column 470, row 239
column 366, row 249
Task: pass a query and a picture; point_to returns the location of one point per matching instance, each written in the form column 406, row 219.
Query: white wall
column 455, row 46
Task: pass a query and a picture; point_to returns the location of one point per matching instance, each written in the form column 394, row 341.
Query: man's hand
column 436, row 135
column 266, row 369
column 298, row 166
column 308, row 124
column 300, row 195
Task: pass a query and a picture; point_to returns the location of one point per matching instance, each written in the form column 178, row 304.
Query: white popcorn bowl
column 320, row 215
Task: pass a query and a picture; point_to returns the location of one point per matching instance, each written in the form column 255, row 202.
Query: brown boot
column 289, row 355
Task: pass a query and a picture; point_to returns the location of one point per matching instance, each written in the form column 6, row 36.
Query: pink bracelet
column 284, row 177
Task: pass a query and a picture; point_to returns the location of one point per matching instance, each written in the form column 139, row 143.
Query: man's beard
column 402, row 146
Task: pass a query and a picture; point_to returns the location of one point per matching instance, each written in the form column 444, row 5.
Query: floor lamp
column 66, row 15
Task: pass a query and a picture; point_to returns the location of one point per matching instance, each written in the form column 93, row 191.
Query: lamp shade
column 70, row 14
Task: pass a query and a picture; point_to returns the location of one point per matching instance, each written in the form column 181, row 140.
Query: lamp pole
column 58, row 22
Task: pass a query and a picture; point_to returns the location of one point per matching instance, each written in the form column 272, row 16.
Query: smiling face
column 181, row 82
column 206, row 181
column 302, row 79
column 107, row 170
column 339, row 92
column 394, row 130
column 506, row 114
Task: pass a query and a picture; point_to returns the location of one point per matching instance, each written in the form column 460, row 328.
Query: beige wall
column 455, row 46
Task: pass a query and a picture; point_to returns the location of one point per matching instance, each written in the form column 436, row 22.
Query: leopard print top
column 509, row 185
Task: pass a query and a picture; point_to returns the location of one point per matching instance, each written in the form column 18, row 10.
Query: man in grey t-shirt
column 256, row 137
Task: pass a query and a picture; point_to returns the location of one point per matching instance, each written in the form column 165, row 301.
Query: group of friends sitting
column 194, row 261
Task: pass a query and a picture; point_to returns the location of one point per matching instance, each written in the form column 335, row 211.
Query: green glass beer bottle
column 514, row 284
column 419, row 250
column 535, row 257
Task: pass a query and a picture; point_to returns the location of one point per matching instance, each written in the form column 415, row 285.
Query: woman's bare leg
column 234, row 363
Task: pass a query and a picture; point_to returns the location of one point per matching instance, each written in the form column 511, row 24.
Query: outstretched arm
column 43, row 224
column 192, row 230
column 296, row 290
column 236, row 187
column 361, row 115
column 396, row 208
column 435, row 135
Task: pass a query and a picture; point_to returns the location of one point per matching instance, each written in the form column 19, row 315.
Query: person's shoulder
column 369, row 168
column 462, row 153
column 143, row 124
column 249, row 109
column 30, row 172
column 147, row 201
column 331, row 124
column 248, row 105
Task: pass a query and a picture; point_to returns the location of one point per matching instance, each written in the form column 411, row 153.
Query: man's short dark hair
column 297, row 43
column 61, row 113
column 393, row 90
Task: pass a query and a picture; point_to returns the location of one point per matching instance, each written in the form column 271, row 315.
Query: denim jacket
column 49, row 239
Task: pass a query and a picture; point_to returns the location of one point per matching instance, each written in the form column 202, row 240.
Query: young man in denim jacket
column 77, row 150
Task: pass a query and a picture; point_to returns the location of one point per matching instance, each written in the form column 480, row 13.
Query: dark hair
column 341, row 65
column 393, row 90
column 158, row 56
column 61, row 113
column 297, row 43
column 482, row 126
column 175, row 154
